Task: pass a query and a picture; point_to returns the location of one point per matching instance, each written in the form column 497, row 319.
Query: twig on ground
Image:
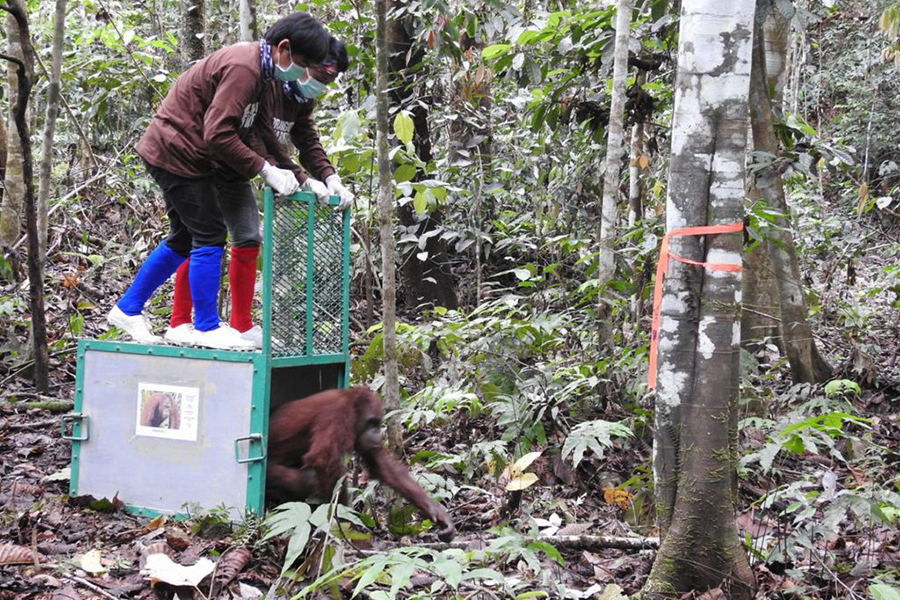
column 91, row 586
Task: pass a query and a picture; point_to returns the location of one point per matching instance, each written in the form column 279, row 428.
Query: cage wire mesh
column 292, row 277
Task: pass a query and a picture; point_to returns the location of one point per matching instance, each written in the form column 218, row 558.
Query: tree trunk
column 637, row 164
column 11, row 209
column 429, row 281
column 247, row 19
column 192, row 31
column 24, row 78
column 807, row 364
column 609, row 212
column 391, row 394
column 695, row 448
column 760, row 313
column 609, row 209
column 45, row 182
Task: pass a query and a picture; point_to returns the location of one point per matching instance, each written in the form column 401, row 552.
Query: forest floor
column 56, row 547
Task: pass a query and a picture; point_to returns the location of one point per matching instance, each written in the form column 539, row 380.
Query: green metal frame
column 256, row 468
column 263, row 361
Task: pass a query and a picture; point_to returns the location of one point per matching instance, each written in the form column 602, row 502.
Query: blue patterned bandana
column 292, row 91
column 266, row 66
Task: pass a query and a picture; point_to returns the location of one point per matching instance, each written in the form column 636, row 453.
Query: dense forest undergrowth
column 523, row 381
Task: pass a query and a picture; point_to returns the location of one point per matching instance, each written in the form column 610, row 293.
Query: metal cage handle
column 75, row 419
column 253, row 437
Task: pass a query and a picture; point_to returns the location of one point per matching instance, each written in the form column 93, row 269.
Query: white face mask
column 292, row 72
column 311, row 87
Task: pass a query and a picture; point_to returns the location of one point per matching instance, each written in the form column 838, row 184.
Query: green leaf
column 403, row 127
column 370, row 575
column 286, row 518
column 494, row 51
column 794, row 444
column 404, row 173
column 484, row 574
column 592, row 435
column 532, row 594
column 400, row 575
column 420, row 202
column 839, row 386
column 882, row 591
column 296, row 545
column 348, row 125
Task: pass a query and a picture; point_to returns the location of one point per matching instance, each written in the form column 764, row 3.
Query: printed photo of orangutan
column 167, row 411
column 161, row 410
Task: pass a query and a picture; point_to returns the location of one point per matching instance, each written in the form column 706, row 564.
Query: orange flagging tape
column 661, row 268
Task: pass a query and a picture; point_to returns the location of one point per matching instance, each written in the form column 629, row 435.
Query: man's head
column 315, row 79
column 334, row 64
column 298, row 38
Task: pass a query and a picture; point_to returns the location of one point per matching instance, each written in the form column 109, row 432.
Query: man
column 292, row 104
column 208, row 118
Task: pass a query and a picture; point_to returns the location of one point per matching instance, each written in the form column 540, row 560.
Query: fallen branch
column 566, row 542
column 93, row 587
column 30, row 426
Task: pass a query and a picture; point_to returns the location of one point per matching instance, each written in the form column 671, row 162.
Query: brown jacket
column 208, row 117
column 293, row 122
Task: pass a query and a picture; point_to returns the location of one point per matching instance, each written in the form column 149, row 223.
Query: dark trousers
column 201, row 211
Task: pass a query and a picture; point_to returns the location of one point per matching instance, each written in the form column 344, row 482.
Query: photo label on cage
column 168, row 411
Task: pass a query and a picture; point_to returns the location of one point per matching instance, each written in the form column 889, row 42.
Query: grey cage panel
column 126, row 455
column 294, row 281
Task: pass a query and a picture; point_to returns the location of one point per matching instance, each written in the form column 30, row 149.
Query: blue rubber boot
column 158, row 267
column 203, row 274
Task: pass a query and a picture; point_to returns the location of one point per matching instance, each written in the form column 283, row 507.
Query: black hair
column 304, row 32
column 337, row 52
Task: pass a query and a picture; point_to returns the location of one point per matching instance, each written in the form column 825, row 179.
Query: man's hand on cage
column 337, row 189
column 282, row 181
column 318, row 188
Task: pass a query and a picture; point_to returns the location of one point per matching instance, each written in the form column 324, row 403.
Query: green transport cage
column 169, row 428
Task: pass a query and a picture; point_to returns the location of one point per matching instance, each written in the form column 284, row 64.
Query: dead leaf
column 714, row 594
column 616, row 496
column 11, row 554
column 178, row 540
column 154, row 524
column 161, row 568
column 524, row 481
column 67, row 593
column 90, row 562
column 46, row 580
column 574, row 529
column 249, row 592
column 232, row 563
column 23, row 487
column 155, row 548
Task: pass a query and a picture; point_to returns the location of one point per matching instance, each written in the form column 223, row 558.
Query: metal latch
column 250, row 439
column 79, row 423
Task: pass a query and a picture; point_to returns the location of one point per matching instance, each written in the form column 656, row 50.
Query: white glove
column 337, row 189
column 283, row 181
column 318, row 188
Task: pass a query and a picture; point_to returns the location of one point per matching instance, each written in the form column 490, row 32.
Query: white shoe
column 180, row 335
column 136, row 326
column 221, row 338
column 254, row 334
